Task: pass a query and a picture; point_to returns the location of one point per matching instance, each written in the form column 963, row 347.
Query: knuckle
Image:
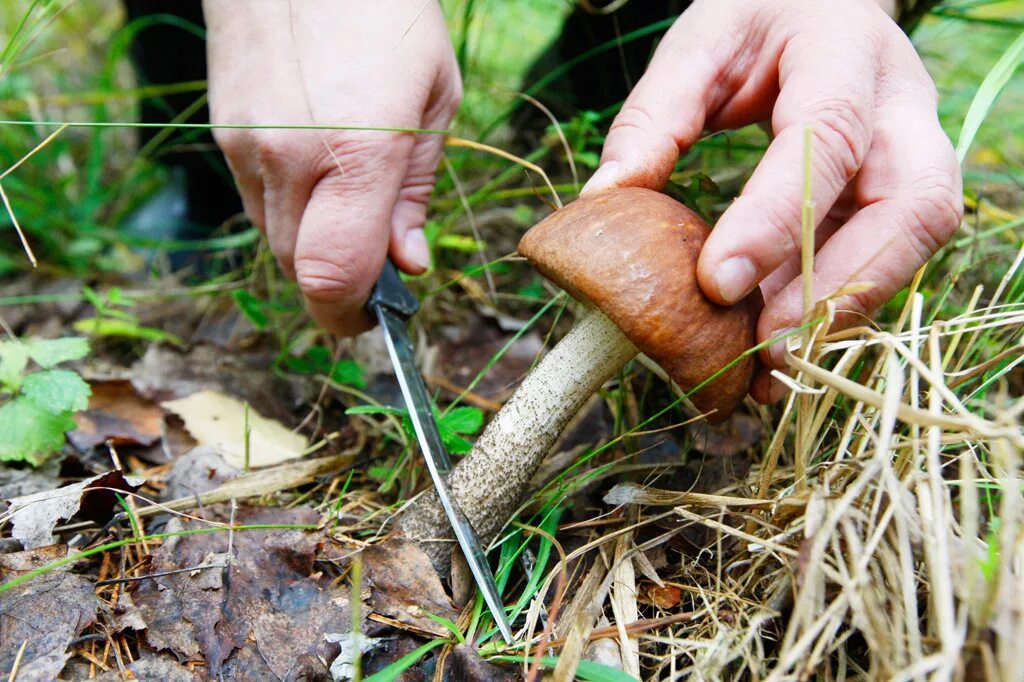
column 325, row 279
column 781, row 217
column 935, row 212
column 357, row 160
column 271, row 148
column 452, row 96
column 843, row 131
column 635, row 122
column 632, row 118
column 863, row 301
column 231, row 141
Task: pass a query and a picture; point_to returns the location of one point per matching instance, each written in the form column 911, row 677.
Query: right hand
column 334, row 204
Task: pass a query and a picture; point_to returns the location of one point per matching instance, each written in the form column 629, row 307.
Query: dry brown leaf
column 117, row 414
column 47, row 613
column 218, row 420
column 664, row 597
column 736, row 434
column 405, row 586
column 258, row 613
column 35, row 516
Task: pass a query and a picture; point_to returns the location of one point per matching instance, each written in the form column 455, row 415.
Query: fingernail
column 416, row 249
column 777, row 351
column 735, row 277
column 605, row 177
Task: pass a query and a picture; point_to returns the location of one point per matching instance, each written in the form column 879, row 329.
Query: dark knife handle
column 391, row 293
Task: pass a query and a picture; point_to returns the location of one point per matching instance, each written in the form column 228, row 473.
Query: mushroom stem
column 490, row 481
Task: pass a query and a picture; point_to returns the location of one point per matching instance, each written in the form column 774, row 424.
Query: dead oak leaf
column 117, row 414
column 405, row 586
column 258, row 613
column 35, row 516
column 45, row 614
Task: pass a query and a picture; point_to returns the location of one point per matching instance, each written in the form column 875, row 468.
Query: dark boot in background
column 600, row 81
column 200, row 196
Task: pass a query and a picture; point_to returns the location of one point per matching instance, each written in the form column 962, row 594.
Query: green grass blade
column 404, row 663
column 588, row 671
column 987, row 94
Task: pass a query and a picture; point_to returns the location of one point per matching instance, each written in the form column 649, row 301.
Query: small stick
column 17, row 661
column 161, row 574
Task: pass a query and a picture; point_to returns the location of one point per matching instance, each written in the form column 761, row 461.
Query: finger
column 830, row 91
column 285, row 158
column 912, row 202
column 346, row 226
column 409, row 247
column 841, row 212
column 665, row 112
column 236, row 145
column 766, row 389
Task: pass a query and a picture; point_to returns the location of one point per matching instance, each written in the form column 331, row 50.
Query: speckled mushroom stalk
column 632, row 254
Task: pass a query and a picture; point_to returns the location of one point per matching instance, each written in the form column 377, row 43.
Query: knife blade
column 393, row 304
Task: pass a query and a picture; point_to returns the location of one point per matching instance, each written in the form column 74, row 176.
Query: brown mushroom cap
column 632, row 252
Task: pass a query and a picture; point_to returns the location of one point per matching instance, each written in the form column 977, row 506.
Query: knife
column 393, row 304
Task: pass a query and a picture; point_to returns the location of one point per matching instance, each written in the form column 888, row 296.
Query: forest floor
column 208, row 496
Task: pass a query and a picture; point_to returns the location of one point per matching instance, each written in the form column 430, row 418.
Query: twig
column 161, row 574
column 17, row 662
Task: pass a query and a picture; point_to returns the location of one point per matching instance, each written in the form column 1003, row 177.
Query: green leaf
column 404, row 663
column 467, row 420
column 348, row 372
column 57, row 391
column 456, row 444
column 460, row 242
column 988, row 92
column 447, row 624
column 115, row 296
column 377, row 409
column 253, row 308
column 13, row 360
column 29, row 433
column 48, row 353
column 462, row 420
column 127, row 329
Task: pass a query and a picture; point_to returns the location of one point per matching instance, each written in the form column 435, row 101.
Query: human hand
column 334, row 204
column 885, row 180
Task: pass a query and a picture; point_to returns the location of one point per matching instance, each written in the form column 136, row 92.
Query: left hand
column 885, row 180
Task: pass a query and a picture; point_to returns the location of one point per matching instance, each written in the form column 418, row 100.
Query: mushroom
column 631, row 254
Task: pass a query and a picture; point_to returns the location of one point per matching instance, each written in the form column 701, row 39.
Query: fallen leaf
column 219, row 421
column 665, row 597
column 259, row 613
column 465, row 665
column 406, row 587
column 199, row 470
column 46, row 612
column 166, row 374
column 343, row 668
column 733, row 436
column 118, row 414
column 151, row 667
column 35, row 516
column 19, row 482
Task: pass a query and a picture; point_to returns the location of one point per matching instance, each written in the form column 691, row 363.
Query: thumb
column 343, row 236
column 408, row 246
column 665, row 113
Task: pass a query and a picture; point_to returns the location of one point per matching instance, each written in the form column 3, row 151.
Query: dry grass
column 898, row 556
